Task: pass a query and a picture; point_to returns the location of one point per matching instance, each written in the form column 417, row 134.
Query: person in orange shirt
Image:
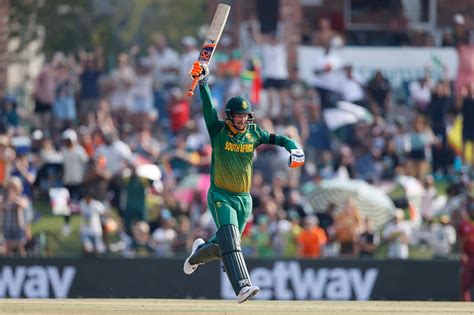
column 311, row 239
column 348, row 227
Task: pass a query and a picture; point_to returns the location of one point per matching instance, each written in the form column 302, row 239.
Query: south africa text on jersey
column 234, row 147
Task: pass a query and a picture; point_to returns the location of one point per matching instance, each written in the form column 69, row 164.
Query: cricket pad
column 205, row 253
column 228, row 239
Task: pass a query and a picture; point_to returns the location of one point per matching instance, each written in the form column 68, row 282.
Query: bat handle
column 192, row 87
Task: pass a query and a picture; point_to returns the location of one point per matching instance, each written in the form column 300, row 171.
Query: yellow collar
column 233, row 129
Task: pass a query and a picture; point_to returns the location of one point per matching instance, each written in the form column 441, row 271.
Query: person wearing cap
column 233, row 142
column 74, row 163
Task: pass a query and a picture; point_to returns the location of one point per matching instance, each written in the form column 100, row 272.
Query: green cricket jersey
column 233, row 151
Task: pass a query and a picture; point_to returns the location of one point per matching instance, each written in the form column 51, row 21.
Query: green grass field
column 157, row 306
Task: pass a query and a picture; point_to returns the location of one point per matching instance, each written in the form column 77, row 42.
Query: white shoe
column 188, row 268
column 246, row 293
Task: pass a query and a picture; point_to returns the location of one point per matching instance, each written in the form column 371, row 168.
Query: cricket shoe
column 246, row 293
column 188, row 268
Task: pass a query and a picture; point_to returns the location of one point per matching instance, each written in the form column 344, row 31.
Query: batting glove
column 296, row 158
column 199, row 70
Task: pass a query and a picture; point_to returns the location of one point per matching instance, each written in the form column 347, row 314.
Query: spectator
column 142, row 109
column 274, row 71
column 9, row 113
column 442, row 237
column 325, row 33
column 64, row 105
column 398, row 234
column 291, row 237
column 261, row 238
column 468, row 126
column 75, row 159
column 165, row 62
column 427, row 198
column 368, row 240
column 319, row 139
column 179, row 111
column 97, row 177
column 26, row 172
column 183, row 235
column 140, row 245
column 162, row 238
column 121, row 99
column 135, row 207
column 420, row 141
column 44, row 94
column 12, row 210
column 312, row 238
column 91, row 229
column 144, row 144
column 50, row 165
column 460, row 33
column 117, row 154
column 187, row 58
column 328, row 73
column 91, row 68
column 348, row 226
column 351, row 87
column 379, row 94
column 7, row 159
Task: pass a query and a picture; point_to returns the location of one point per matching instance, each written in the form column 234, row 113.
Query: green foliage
column 115, row 25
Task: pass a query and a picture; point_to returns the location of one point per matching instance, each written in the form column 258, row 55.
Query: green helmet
column 239, row 105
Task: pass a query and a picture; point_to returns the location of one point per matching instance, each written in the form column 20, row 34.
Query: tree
column 115, row 25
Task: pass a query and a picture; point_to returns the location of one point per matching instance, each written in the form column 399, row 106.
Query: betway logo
column 286, row 281
column 35, row 281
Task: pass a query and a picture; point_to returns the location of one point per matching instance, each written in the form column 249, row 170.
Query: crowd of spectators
column 89, row 145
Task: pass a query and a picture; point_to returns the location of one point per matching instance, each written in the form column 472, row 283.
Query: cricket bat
column 213, row 35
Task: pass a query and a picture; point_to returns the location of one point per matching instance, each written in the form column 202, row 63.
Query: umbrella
column 191, row 184
column 344, row 114
column 372, row 201
column 336, row 118
column 149, row 171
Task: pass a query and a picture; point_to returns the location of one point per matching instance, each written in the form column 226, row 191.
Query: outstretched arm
column 297, row 156
column 213, row 124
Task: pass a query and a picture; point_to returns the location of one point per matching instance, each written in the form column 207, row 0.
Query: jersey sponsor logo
column 238, row 147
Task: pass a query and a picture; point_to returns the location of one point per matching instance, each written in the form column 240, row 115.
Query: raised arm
column 213, row 124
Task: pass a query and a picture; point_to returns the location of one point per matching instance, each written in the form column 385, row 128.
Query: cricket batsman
column 233, row 141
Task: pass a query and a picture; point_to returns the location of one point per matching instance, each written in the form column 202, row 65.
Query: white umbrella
column 344, row 114
column 336, row 118
column 372, row 201
column 360, row 112
column 149, row 171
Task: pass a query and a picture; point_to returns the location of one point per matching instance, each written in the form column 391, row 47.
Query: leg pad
column 205, row 253
column 228, row 238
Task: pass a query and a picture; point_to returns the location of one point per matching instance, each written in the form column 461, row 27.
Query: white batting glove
column 296, row 158
column 199, row 70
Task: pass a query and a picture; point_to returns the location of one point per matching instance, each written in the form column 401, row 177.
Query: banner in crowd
column 398, row 64
column 277, row 279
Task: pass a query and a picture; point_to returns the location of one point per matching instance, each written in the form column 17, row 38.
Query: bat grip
column 192, row 87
